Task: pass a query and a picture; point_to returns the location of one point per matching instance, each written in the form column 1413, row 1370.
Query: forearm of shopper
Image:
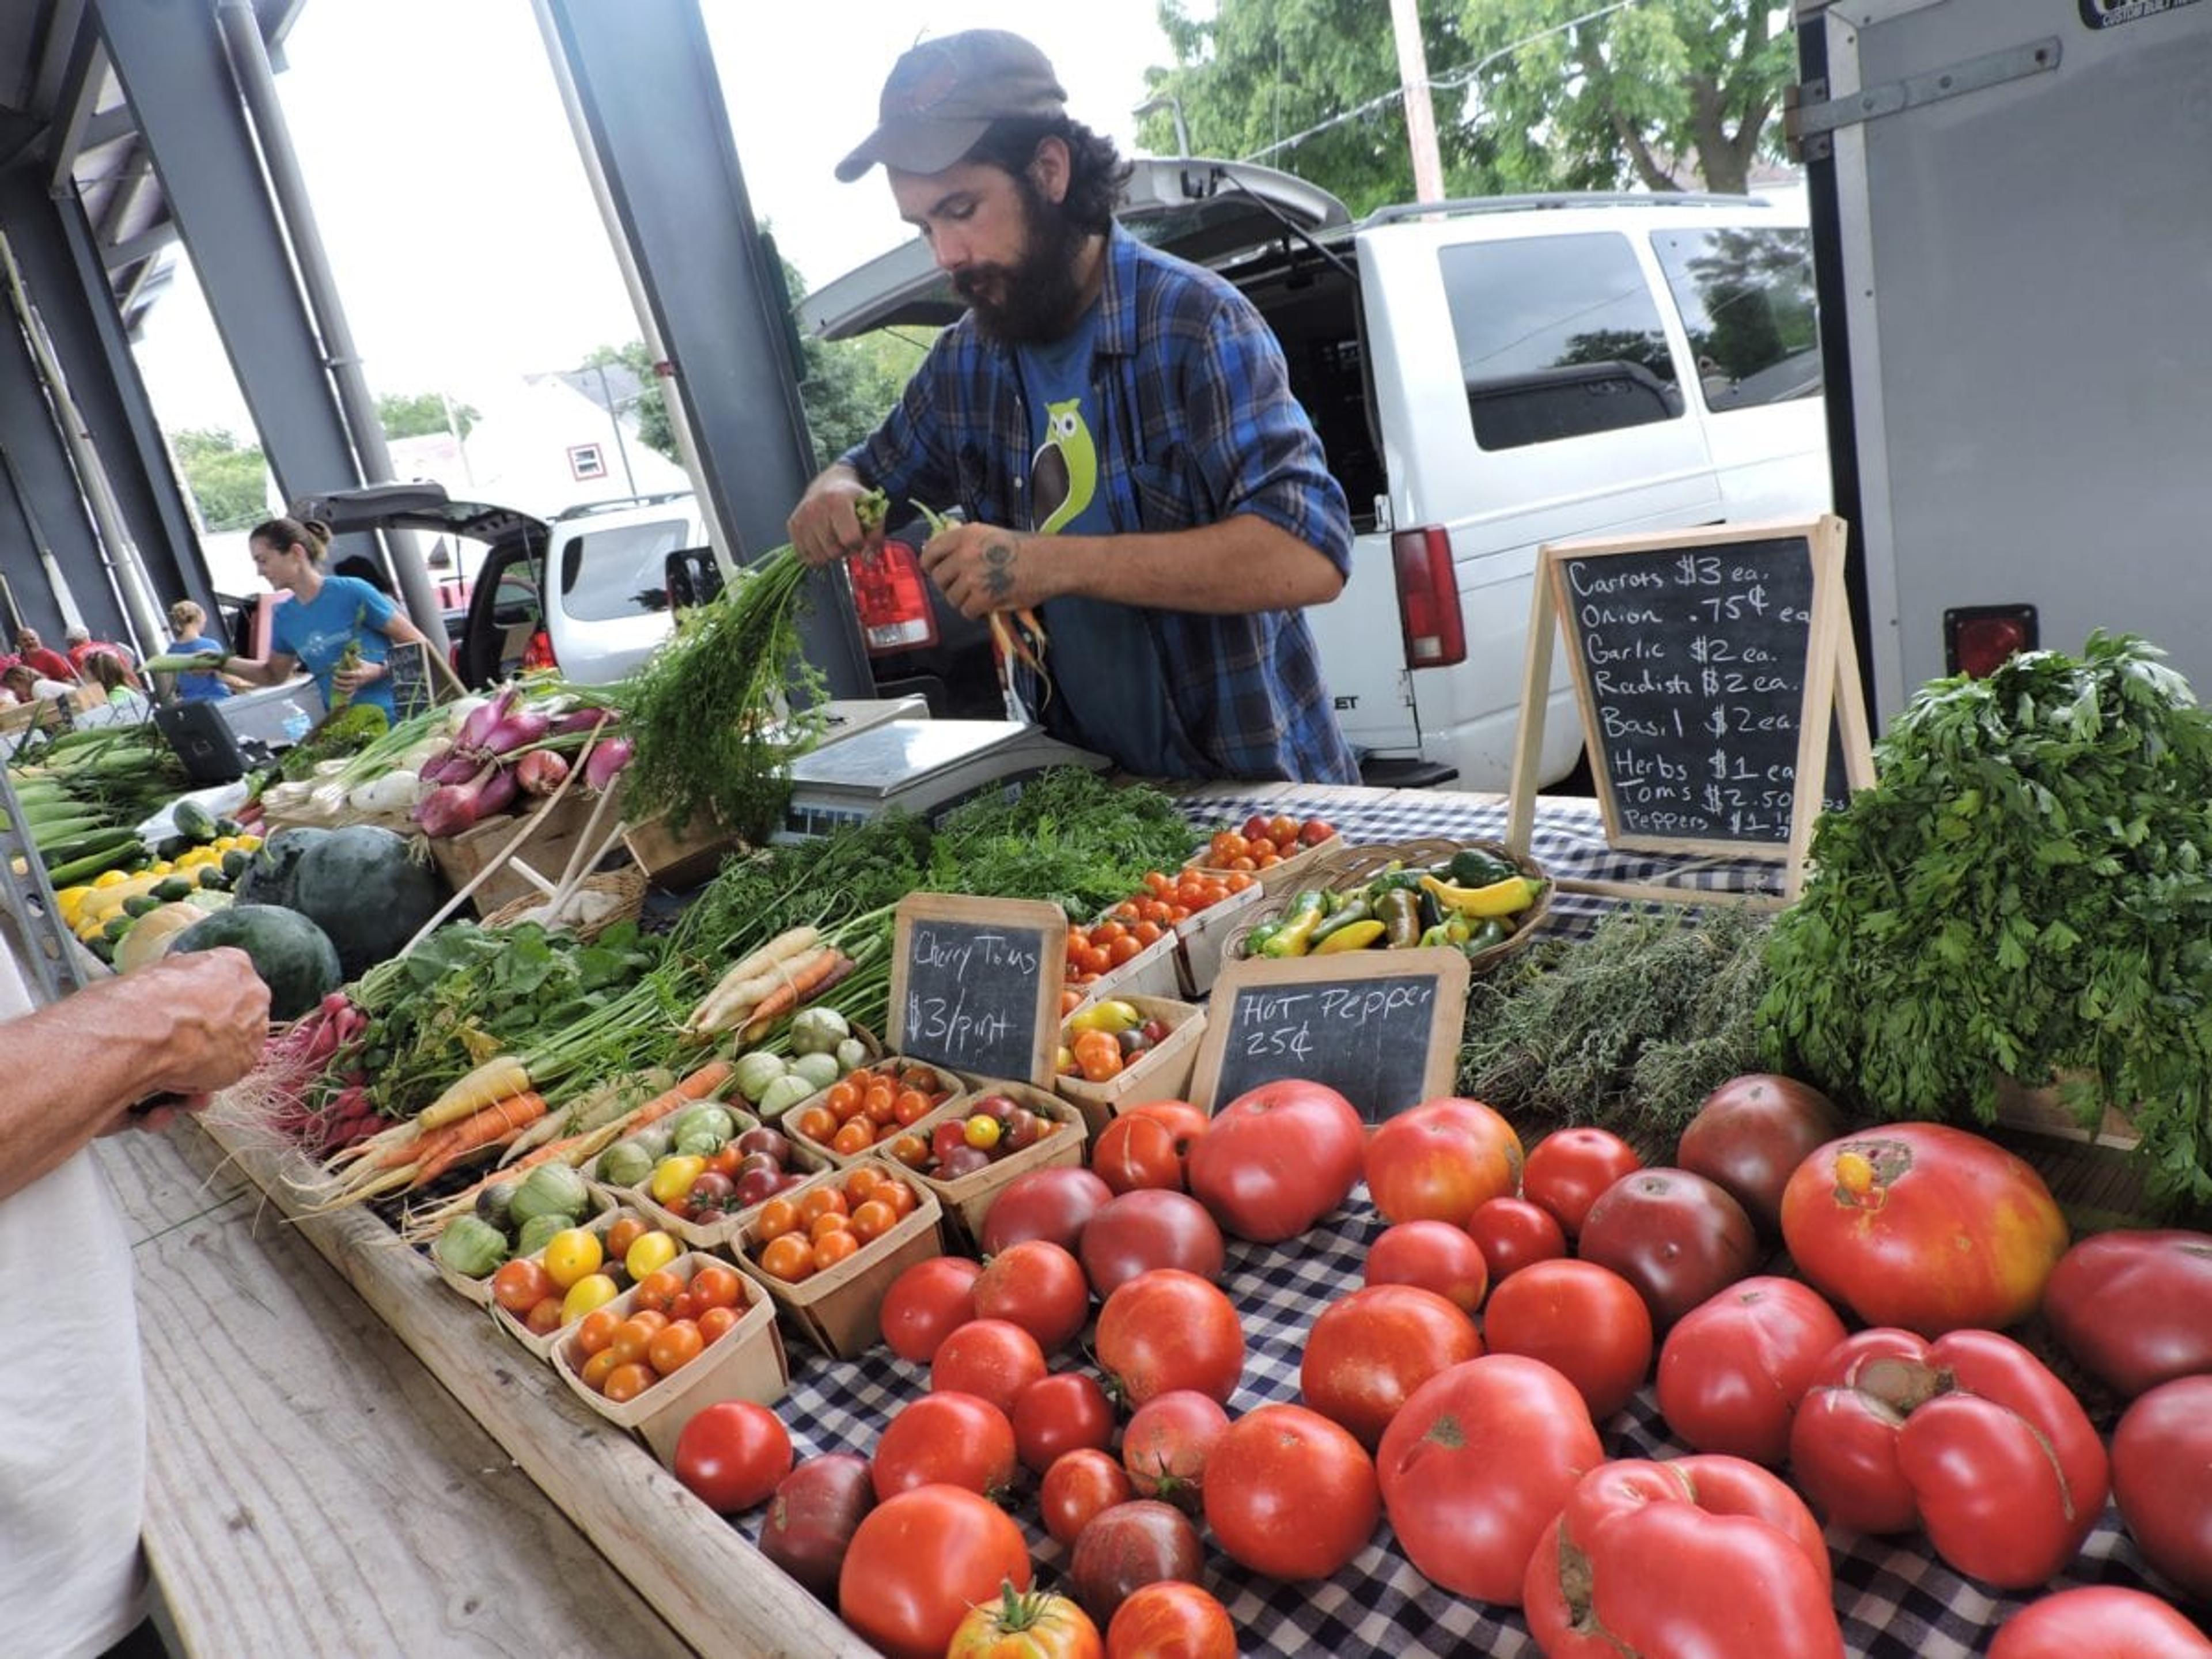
column 1243, row 564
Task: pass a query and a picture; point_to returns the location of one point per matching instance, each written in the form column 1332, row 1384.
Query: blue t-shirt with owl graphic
column 1106, row 692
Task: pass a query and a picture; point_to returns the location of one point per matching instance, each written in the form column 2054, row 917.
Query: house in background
column 549, row 442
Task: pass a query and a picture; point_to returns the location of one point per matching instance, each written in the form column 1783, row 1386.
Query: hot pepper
column 1400, row 912
column 1295, row 936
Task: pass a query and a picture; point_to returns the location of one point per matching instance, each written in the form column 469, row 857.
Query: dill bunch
column 1631, row 1028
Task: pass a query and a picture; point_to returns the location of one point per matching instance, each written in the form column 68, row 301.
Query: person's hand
column 981, row 568
column 215, row 1009
column 825, row 525
column 350, row 680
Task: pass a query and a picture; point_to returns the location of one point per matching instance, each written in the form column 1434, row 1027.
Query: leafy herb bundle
column 708, row 712
column 1631, row 1028
column 2026, row 890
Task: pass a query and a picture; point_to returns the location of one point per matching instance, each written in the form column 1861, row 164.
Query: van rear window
column 619, row 571
column 1558, row 336
column 1746, row 297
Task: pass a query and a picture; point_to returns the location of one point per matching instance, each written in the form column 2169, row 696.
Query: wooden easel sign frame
column 1686, row 622
column 953, row 958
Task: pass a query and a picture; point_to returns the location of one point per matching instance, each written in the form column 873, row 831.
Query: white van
column 1485, row 376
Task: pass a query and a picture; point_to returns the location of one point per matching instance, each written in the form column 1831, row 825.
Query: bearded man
column 1116, row 426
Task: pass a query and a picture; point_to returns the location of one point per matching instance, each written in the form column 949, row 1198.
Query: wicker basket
column 1350, row 867
column 627, row 888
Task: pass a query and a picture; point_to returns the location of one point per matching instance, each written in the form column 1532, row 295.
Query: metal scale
column 916, row 765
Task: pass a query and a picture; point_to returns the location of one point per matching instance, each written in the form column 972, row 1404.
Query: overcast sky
column 449, row 193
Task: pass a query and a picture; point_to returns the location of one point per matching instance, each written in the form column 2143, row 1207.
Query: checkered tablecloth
column 1894, row 1599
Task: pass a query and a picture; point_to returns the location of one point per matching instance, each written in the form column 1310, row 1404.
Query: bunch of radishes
column 504, row 749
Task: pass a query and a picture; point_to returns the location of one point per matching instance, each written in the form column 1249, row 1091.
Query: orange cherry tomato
column 1106, row 932
column 629, row 1380
column 833, row 1248
column 828, row 1222
column 777, row 1217
column 854, row 1137
column 716, row 1286
column 717, row 1322
column 815, row 1123
column 657, row 1293
column 597, row 1367
column 622, row 1232
column 521, row 1285
column 631, row 1338
column 1127, row 948
column 821, row 1202
column 900, row 1196
column 1071, row 1001
column 1238, row 882
column 873, row 1220
column 843, row 1098
column 596, row 1330
column 674, row 1348
column 1281, row 829
column 923, row 1078
column 790, row 1258
column 1144, row 933
column 911, row 1150
column 860, row 1184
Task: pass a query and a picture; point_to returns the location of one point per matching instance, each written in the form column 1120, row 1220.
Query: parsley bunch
column 2026, row 890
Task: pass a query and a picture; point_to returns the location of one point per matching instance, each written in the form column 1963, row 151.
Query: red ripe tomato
column 1369, row 1350
column 2135, row 1307
column 2102, row 1621
column 1055, row 1415
column 732, row 1455
column 1171, row 1621
column 1037, row 1625
column 2166, row 1432
column 1054, row 1204
column 1751, row 1134
column 1512, row 1232
column 1147, row 1229
column 1569, row 1168
column 1147, row 1145
column 1676, row 1236
column 1705, row 1555
column 1923, row 1226
column 1441, row 1160
column 1278, row 1159
column 1584, row 1321
column 944, row 1439
column 1435, row 1256
column 1475, row 1466
column 1167, row 1442
column 1078, row 1485
column 1169, row 1329
column 919, row 1561
column 927, row 1304
column 993, row 1359
column 811, row 1519
column 1289, row 1494
column 1732, row 1372
column 1039, row 1286
column 1968, row 1436
column 1128, row 1546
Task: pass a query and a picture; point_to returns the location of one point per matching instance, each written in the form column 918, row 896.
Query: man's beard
column 1035, row 299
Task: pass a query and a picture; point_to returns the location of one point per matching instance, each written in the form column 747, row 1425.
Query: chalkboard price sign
column 975, row 984
column 407, row 665
column 1384, row 1031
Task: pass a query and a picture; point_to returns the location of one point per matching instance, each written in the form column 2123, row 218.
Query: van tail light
column 538, row 654
column 892, row 597
column 1977, row 638
column 1428, row 598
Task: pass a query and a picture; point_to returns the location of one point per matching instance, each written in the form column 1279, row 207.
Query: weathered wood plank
column 158, row 1190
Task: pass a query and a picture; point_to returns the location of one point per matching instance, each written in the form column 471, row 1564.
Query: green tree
column 1667, row 95
column 230, row 480
column 654, row 429
column 417, row 414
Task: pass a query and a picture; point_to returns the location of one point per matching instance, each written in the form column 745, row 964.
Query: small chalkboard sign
column 407, row 665
column 1717, row 683
column 1381, row 1028
column 975, row 984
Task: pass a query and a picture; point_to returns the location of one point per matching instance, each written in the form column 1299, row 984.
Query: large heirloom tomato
column 1169, row 1329
column 1512, row 1232
column 920, row 1560
column 1677, row 1237
column 1289, row 1494
column 1148, row 1145
column 1171, row 1621
column 2102, row 1621
column 2135, row 1307
column 1038, row 1285
column 927, row 1304
column 1731, row 1374
column 2162, row 1452
column 944, row 1439
column 1475, row 1466
column 1441, row 1161
column 1586, row 1321
column 1148, row 1229
column 1435, row 1256
column 1969, row 1436
column 1277, row 1160
column 1034, row 1625
column 1705, row 1555
column 1369, row 1350
column 1923, row 1226
column 1751, row 1134
column 1055, row 1204
column 1568, row 1168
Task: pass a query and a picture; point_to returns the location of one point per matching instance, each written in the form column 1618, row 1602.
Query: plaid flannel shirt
column 1196, row 424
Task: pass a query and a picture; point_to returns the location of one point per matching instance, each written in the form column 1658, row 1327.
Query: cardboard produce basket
column 967, row 1199
column 840, row 1310
column 1161, row 1073
column 1152, row 972
column 478, row 1290
column 1287, row 875
column 747, row 1362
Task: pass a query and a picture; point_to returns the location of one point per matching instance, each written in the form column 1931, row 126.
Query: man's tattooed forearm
column 999, row 569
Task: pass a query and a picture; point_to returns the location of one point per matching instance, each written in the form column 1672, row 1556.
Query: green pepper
column 1256, row 940
column 1471, row 867
column 1434, row 934
column 1492, row 932
column 1457, row 929
column 1294, row 936
column 1400, row 912
column 1394, row 881
column 1353, row 911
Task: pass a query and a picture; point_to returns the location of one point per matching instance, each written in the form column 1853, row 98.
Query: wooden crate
column 748, row 1363
column 551, row 843
column 840, row 1312
column 967, row 1199
column 676, row 862
column 1161, row 1073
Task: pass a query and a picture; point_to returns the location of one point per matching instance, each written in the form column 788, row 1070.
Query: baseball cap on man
column 943, row 96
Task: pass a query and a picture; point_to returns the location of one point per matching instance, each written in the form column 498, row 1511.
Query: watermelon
column 366, row 889
column 294, row 958
column 268, row 879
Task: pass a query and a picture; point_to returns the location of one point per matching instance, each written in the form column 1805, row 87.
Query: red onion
column 448, row 766
column 540, row 772
column 580, row 719
column 483, row 718
column 608, row 759
column 451, row 808
column 516, row 731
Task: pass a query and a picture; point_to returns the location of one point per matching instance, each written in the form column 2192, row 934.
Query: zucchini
column 194, row 821
column 84, row 869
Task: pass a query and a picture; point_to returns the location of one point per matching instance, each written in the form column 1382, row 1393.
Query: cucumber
column 173, row 888
column 139, row 904
column 84, row 869
column 194, row 821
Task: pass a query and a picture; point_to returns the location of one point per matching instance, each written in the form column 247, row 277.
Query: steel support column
column 41, row 511
column 169, row 55
column 644, row 79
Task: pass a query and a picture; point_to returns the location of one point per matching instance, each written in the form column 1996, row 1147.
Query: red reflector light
column 1428, row 598
column 538, row 654
column 1977, row 639
column 892, row 596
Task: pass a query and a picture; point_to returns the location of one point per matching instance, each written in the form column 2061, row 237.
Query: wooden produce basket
column 478, row 1290
column 1200, row 939
column 840, row 1310
column 2043, row 1112
column 554, row 833
column 1285, row 877
column 543, row 1346
column 747, row 1362
column 712, row 1234
column 893, row 1066
column 1352, row 867
column 966, row 1200
column 1152, row 972
column 1161, row 1073
column 676, row 862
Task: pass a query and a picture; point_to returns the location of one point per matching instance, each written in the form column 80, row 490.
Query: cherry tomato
column 713, row 1285
column 521, row 1285
column 1512, row 1232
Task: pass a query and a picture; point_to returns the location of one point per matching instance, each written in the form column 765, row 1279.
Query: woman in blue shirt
column 188, row 622
column 327, row 614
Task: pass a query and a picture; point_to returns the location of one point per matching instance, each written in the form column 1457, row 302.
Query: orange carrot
column 811, row 977
column 437, row 1151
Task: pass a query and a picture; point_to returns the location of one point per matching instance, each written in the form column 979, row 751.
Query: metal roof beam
column 81, row 84
column 63, row 24
column 121, row 256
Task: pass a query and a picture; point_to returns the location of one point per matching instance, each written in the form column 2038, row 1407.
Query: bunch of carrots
column 795, row 967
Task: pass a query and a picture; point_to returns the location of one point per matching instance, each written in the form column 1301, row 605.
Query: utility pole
column 1420, row 111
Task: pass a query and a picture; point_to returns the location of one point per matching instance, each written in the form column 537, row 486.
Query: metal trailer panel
column 2027, row 281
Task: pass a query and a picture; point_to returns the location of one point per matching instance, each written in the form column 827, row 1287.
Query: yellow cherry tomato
column 672, row 1177
column 571, row 1254
column 982, row 1132
column 649, row 1253
column 592, row 1291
